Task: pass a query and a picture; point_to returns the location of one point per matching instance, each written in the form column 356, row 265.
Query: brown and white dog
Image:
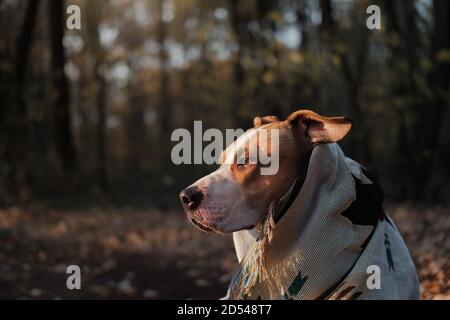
column 329, row 225
column 237, row 196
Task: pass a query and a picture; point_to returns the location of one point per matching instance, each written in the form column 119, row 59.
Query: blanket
column 330, row 239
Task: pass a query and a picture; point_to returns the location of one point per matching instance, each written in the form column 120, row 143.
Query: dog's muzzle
column 191, row 198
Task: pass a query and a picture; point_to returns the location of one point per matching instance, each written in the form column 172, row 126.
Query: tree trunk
column 394, row 31
column 269, row 92
column 165, row 101
column 100, row 92
column 15, row 122
column 238, row 68
column 328, row 22
column 23, row 46
column 306, row 88
column 102, row 163
column 60, row 90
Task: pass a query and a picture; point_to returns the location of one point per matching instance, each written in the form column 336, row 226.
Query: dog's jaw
column 223, row 218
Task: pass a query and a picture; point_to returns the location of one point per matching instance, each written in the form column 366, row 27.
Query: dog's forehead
column 239, row 145
column 251, row 136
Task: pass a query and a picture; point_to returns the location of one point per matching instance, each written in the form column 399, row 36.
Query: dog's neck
column 285, row 202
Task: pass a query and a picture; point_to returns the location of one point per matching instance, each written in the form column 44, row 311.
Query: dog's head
column 237, row 195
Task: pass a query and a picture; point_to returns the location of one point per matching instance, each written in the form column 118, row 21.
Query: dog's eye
column 243, row 162
column 246, row 162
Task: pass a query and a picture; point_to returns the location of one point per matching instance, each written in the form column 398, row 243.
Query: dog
column 316, row 229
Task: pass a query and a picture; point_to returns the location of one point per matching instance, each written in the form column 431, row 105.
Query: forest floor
column 148, row 254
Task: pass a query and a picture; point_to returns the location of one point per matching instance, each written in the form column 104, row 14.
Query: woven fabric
column 333, row 231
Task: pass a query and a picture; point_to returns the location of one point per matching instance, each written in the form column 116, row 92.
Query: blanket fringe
column 253, row 265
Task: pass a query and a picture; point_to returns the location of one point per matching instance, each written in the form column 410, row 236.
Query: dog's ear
column 259, row 121
column 319, row 129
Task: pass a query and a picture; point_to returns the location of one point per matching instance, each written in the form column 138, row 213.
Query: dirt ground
column 148, row 254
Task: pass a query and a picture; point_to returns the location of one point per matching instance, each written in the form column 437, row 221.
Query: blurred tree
column 419, row 97
column 437, row 137
column 138, row 69
column 16, row 117
column 165, row 100
column 398, row 86
column 238, row 24
column 269, row 83
column 60, row 90
column 94, row 10
column 352, row 61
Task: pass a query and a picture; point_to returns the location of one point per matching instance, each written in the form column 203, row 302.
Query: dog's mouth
column 201, row 226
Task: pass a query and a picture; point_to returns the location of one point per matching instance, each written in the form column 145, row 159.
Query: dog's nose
column 191, row 197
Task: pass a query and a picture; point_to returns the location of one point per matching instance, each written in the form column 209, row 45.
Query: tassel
column 253, row 265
